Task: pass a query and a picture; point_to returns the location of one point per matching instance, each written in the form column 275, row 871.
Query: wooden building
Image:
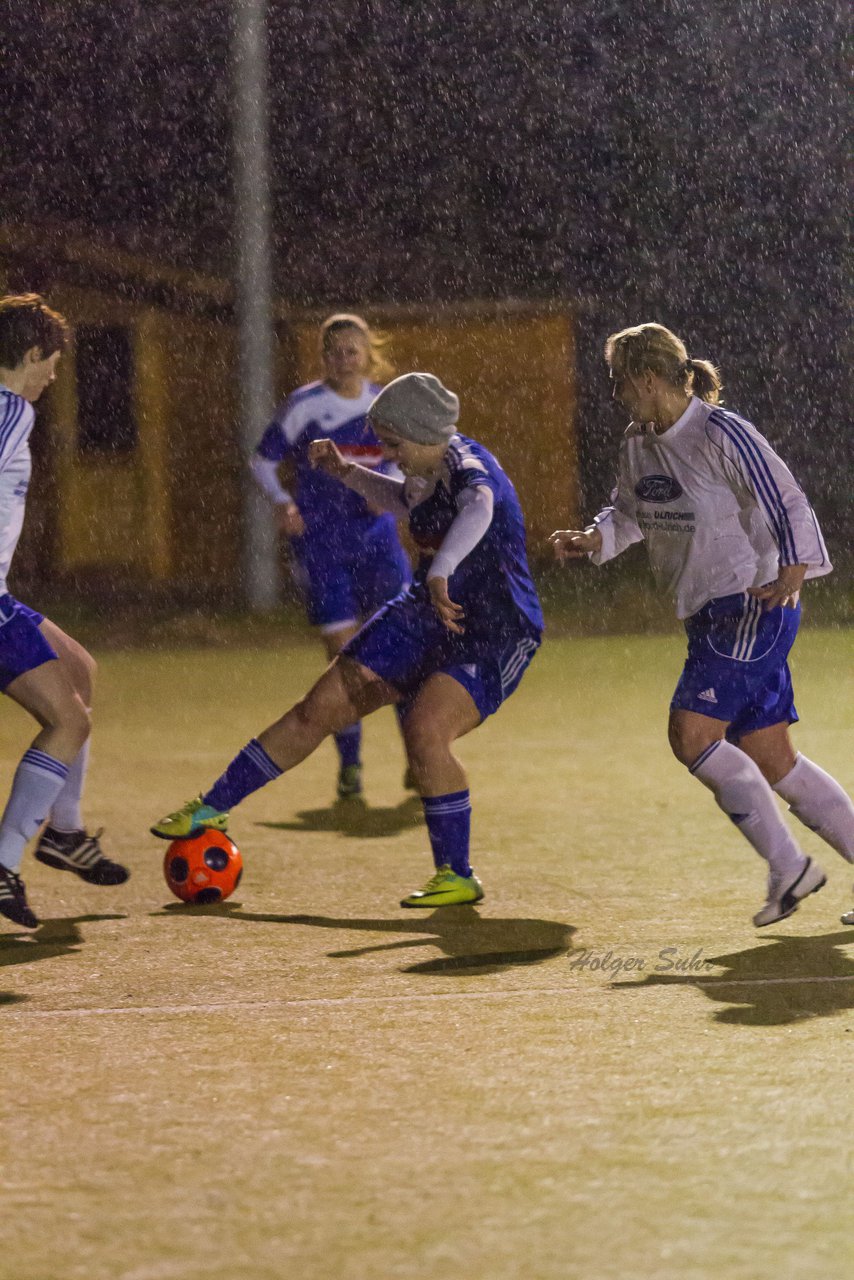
column 138, row 471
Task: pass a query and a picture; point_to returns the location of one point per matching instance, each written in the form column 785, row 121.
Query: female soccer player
column 41, row 668
column 348, row 557
column 731, row 535
column 448, row 650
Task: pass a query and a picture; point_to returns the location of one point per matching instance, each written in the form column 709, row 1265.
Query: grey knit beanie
column 417, row 407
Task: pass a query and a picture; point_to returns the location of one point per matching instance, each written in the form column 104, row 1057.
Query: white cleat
column 784, row 898
column 848, row 918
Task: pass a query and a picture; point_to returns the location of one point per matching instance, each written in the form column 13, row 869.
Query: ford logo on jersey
column 658, row 489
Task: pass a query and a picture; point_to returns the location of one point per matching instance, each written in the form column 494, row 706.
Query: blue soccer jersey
column 493, row 582
column 333, row 515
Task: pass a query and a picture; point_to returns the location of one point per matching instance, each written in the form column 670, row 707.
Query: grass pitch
column 603, row 1071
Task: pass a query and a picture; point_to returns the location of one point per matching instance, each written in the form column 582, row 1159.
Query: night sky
column 652, row 161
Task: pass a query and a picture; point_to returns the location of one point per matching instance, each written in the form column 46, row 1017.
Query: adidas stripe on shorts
column 405, row 644
column 737, row 668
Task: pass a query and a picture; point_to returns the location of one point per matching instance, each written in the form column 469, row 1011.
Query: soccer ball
column 205, row 868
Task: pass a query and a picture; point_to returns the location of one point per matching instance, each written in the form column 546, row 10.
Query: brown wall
column 170, row 512
column 513, row 369
column 204, row 470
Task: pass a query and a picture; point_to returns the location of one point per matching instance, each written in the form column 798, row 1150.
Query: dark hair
column 651, row 346
column 27, row 321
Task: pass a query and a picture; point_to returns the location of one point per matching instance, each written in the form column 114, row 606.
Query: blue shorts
column 405, row 644
column 22, row 645
column 736, row 668
column 341, row 589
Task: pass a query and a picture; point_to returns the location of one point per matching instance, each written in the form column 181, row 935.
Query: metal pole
column 253, row 290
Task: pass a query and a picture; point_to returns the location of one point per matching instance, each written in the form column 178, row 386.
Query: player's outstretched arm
column 572, row 544
column 326, row 456
column 383, row 493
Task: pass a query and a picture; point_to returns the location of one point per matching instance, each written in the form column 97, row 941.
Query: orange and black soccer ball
column 204, row 868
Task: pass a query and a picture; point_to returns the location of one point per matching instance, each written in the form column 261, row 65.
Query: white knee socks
column 821, row 804
column 65, row 813
column 742, row 792
column 38, row 780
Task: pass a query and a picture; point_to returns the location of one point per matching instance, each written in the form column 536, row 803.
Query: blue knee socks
column 449, row 826
column 349, row 744
column 250, row 770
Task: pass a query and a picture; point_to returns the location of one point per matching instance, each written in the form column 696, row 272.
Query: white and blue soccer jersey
column 16, row 423
column 493, row 582
column 718, row 509
column 333, row 515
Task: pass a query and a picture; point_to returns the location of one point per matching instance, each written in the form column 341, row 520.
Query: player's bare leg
column 348, row 741
column 65, row 844
column 442, row 712
column 47, row 694
column 772, row 750
column 77, row 663
column 345, row 692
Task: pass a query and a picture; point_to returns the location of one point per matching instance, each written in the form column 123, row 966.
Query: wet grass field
column 603, row 1071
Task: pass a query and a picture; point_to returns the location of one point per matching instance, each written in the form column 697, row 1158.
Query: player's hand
column 572, row 544
column 325, row 455
column 451, row 614
column 289, row 521
column 784, row 590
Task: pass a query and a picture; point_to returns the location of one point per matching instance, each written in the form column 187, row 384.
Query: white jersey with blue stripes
column 718, row 509
column 16, row 423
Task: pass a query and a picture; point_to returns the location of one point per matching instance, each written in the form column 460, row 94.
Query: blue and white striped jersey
column 330, row 511
column 16, row 423
column 718, row 509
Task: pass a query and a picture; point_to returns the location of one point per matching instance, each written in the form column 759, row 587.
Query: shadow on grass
column 470, row 943
column 356, row 819
column 52, row 938
column 791, row 980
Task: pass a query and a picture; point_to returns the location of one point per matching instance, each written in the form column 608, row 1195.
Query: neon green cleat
column 446, row 889
column 189, row 821
column 349, row 781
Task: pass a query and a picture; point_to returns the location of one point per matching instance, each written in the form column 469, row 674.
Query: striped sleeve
column 16, row 420
column 617, row 523
column 273, row 445
column 750, row 464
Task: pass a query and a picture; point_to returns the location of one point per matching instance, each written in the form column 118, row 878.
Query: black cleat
column 13, row 900
column 81, row 853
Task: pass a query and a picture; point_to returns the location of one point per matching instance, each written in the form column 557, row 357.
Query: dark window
column 105, row 420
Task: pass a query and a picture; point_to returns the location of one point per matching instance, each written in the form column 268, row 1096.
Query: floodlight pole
column 253, row 289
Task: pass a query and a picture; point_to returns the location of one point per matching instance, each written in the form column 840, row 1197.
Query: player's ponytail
column 706, row 380
column 651, row 346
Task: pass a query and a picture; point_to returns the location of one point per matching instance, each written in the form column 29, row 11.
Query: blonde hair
column 651, row 346
column 380, row 368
